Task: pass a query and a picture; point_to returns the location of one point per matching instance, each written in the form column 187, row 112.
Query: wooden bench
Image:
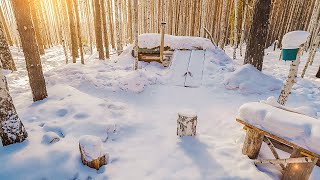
column 153, row 55
column 298, row 167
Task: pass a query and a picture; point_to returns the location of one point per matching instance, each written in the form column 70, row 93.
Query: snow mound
column 294, row 39
column 152, row 40
column 134, row 81
column 306, row 110
column 293, row 127
column 248, row 80
column 187, row 113
column 92, row 147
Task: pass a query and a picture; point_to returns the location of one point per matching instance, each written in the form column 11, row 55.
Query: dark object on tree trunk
column 30, row 48
column 258, row 33
column 11, row 128
column 318, row 73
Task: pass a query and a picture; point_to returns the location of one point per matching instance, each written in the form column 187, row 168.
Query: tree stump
column 91, row 150
column 187, row 123
column 298, row 171
column 252, row 143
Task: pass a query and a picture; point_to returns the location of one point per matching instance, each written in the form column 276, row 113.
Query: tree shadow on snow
column 208, row 167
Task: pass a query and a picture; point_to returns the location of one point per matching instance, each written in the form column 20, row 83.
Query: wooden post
column 187, row 123
column 162, row 41
column 298, row 171
column 252, row 143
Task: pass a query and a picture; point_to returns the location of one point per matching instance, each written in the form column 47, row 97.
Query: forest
column 160, row 89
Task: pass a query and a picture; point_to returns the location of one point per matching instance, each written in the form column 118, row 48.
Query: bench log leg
column 299, row 171
column 252, row 143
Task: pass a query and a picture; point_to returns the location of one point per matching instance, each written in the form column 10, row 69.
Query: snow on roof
column 293, row 127
column 294, row 39
column 152, row 40
column 248, row 80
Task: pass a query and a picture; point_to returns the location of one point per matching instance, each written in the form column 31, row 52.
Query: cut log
column 91, row 151
column 252, row 143
column 187, row 123
column 297, row 171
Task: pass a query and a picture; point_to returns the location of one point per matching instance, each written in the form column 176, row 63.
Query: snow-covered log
column 11, row 128
column 91, row 150
column 187, row 123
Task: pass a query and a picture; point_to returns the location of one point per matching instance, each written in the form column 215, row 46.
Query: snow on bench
column 293, row 127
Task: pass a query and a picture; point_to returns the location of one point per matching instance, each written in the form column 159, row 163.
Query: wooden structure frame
column 299, row 165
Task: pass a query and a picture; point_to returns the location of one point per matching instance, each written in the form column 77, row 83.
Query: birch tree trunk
column 97, row 22
column 235, row 30
column 293, row 72
column 12, row 130
column 312, row 54
column 30, row 49
column 136, row 32
column 258, row 34
column 117, row 17
column 105, row 32
column 73, row 35
column 5, row 54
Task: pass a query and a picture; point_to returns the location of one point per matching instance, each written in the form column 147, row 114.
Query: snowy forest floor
column 135, row 114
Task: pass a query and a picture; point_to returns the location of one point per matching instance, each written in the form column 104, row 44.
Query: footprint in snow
column 61, row 112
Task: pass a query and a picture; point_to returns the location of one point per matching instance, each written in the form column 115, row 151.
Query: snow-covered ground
column 135, row 113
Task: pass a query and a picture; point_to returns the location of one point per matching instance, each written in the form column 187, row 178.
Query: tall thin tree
column 258, row 33
column 30, row 48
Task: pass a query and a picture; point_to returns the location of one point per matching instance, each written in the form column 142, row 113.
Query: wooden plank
column 281, row 141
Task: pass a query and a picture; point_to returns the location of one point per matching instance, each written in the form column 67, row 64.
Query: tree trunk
column 5, row 54
column 252, row 143
column 5, row 27
column 30, row 49
column 135, row 32
column 97, row 22
column 286, row 90
column 105, row 32
column 318, row 73
column 74, row 44
column 76, row 8
column 244, row 18
column 258, row 34
column 12, row 130
column 235, row 29
column 223, row 24
column 36, row 26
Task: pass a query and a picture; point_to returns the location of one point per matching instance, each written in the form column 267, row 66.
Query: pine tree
column 12, row 130
column 258, row 34
column 30, row 48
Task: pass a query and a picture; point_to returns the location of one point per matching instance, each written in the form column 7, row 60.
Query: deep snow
column 135, row 113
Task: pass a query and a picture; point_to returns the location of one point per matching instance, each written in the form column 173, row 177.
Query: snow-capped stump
column 187, row 123
column 92, row 152
column 50, row 138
